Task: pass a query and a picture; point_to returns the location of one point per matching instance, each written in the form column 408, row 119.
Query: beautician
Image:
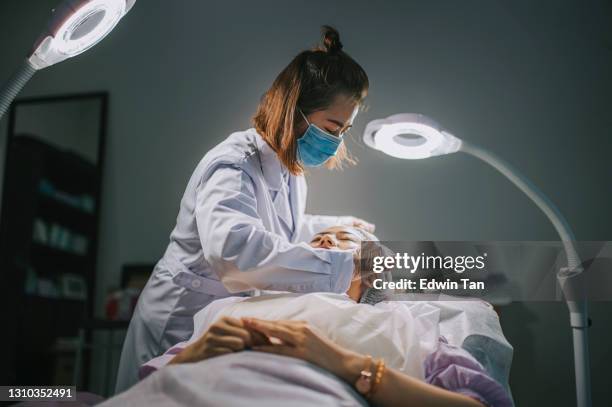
column 241, row 224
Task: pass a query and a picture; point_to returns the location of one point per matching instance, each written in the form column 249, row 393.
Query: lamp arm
column 569, row 279
column 13, row 86
column 528, row 188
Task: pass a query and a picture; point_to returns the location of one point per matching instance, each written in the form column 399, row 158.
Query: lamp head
column 76, row 26
column 410, row 136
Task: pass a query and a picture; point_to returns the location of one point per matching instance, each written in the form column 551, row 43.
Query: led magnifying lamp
column 76, row 26
column 410, row 136
column 414, row 136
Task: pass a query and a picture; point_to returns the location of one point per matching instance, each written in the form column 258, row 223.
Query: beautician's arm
column 301, row 341
column 246, row 255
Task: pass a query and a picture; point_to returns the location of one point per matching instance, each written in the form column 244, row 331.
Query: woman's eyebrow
column 339, row 123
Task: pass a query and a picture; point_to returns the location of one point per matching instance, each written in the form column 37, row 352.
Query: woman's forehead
column 341, row 229
column 343, row 109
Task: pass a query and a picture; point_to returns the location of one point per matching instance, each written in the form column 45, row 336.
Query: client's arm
column 302, row 341
column 224, row 336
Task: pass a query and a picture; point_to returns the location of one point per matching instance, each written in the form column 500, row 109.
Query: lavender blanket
column 240, row 379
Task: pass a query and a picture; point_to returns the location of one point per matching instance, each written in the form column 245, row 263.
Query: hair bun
column 331, row 39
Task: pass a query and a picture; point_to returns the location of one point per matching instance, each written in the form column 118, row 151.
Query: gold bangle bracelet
column 364, row 381
column 380, row 371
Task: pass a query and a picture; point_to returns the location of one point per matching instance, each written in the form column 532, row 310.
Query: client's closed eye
column 347, row 237
column 315, row 239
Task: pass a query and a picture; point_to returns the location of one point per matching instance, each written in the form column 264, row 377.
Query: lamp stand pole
column 13, row 86
column 569, row 278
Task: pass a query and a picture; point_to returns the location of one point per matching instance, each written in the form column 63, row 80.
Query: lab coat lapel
column 272, row 173
column 297, row 196
column 283, row 207
column 293, row 200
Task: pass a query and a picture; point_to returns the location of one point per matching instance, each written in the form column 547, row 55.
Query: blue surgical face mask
column 316, row 146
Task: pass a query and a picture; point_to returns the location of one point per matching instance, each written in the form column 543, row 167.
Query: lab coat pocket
column 183, row 277
column 201, row 284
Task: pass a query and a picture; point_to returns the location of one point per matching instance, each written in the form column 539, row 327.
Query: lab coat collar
column 271, row 166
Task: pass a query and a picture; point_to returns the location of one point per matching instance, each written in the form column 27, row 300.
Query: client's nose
column 327, row 241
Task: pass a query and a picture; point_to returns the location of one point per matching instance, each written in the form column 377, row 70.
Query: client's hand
column 299, row 340
column 302, row 341
column 227, row 335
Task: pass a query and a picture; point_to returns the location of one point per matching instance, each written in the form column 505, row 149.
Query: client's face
column 337, row 237
column 343, row 238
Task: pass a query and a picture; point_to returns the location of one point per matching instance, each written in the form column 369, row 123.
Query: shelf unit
column 45, row 236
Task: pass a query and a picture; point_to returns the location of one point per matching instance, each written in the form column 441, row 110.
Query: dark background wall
column 530, row 80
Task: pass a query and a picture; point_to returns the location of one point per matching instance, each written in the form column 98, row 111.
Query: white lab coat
column 231, row 237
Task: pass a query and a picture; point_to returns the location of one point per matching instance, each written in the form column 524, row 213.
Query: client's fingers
column 233, row 321
column 272, row 328
column 259, row 338
column 222, row 328
column 231, row 342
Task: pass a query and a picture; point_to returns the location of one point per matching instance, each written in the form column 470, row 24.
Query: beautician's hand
column 360, row 223
column 225, row 336
column 300, row 340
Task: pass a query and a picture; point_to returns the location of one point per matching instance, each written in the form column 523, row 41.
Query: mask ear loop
column 304, row 116
column 340, row 136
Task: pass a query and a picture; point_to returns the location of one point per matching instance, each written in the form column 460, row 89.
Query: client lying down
column 317, row 349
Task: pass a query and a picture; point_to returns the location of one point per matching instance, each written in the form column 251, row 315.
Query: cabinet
column 48, row 246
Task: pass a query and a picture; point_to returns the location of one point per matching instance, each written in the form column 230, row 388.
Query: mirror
column 71, row 124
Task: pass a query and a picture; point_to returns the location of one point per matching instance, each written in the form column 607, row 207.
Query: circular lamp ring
column 89, row 24
column 410, row 136
column 388, row 139
column 76, row 26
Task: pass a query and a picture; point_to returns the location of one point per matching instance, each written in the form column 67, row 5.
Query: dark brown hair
column 311, row 82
